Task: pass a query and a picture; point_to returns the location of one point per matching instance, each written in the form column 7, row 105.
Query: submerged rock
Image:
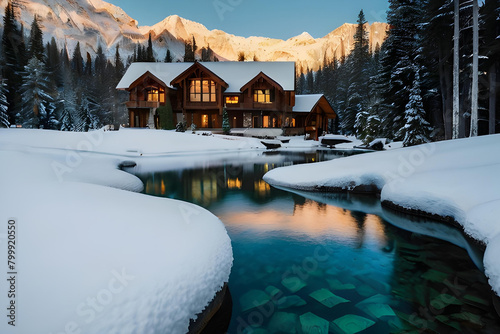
column 377, row 311
column 293, row 284
column 290, row 301
column 335, row 284
column 273, row 291
column 327, row 298
column 312, row 324
column 283, row 322
column 253, row 298
column 351, row 324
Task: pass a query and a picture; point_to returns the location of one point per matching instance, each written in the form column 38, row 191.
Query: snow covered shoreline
column 456, row 180
column 94, row 256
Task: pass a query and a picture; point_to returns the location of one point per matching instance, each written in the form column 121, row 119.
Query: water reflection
column 302, row 218
column 205, row 186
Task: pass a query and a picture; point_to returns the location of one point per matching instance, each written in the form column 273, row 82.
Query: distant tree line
column 44, row 87
column 403, row 90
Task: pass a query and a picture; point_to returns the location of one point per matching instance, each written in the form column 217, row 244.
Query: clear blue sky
column 269, row 18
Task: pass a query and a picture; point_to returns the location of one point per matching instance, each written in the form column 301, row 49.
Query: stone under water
column 290, row 301
column 377, row 311
column 253, row 298
column 293, row 284
column 273, row 291
column 312, row 324
column 335, row 284
column 283, row 322
column 351, row 324
column 327, row 298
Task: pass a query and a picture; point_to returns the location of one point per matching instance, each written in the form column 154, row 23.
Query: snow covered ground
column 90, row 254
column 458, row 179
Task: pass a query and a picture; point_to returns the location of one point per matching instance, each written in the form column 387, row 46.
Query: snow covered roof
column 163, row 71
column 306, row 103
column 235, row 74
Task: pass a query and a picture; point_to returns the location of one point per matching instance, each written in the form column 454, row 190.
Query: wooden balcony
column 142, row 104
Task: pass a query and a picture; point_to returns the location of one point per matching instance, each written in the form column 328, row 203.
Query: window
column 262, row 96
column 162, row 95
column 152, row 95
column 202, row 91
column 232, row 100
column 195, row 91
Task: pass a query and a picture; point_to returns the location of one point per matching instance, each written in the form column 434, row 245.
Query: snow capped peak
column 97, row 22
column 304, row 35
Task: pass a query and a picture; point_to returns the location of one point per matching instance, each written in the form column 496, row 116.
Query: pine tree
column 166, row 116
column 168, row 57
column 38, row 110
column 226, row 128
column 66, row 120
column 149, row 52
column 35, row 44
column 77, row 60
column 4, row 116
column 13, row 60
column 416, row 130
column 357, row 65
column 397, row 60
column 119, row 66
column 188, row 52
column 88, row 66
column 53, row 62
column 68, row 108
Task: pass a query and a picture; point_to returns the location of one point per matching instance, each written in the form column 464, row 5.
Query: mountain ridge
column 94, row 22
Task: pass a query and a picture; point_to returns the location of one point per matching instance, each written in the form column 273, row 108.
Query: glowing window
column 232, row 99
column 202, row 90
column 152, row 95
column 162, row 95
column 262, row 96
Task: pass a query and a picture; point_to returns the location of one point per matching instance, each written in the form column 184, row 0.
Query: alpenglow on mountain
column 94, row 22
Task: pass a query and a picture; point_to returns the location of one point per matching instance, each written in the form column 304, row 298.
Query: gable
column 261, row 77
column 197, row 70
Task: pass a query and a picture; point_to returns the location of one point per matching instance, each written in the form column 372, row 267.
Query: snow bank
column 457, row 179
column 126, row 142
column 90, row 258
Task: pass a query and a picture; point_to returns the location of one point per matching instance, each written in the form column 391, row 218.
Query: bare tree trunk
column 445, row 78
column 493, row 99
column 456, row 71
column 475, row 70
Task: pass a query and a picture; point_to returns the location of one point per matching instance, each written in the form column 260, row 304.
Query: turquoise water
column 301, row 266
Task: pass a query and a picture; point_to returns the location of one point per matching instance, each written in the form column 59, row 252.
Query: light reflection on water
column 288, row 250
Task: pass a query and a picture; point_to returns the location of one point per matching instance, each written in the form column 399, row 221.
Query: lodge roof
column 235, row 74
column 306, row 103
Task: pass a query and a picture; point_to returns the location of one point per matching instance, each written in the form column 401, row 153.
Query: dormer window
column 202, row 91
column 262, row 96
column 152, row 95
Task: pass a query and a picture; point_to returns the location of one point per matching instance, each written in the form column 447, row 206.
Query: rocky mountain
column 94, row 22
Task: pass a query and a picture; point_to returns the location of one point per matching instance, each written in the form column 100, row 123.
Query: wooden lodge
column 255, row 94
